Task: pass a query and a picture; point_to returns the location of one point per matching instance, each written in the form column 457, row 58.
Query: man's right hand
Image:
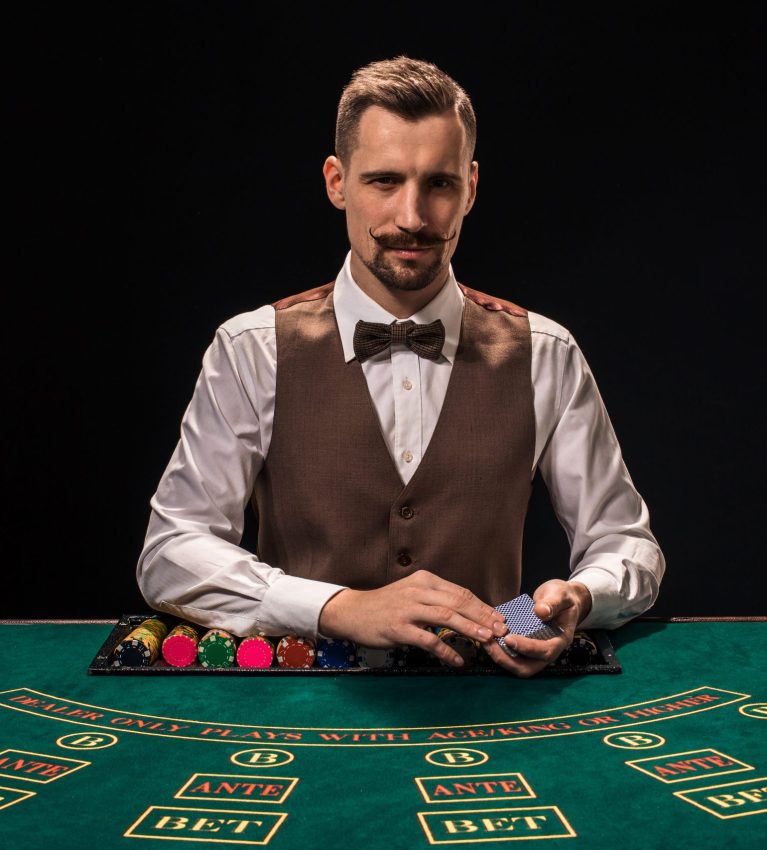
column 400, row 614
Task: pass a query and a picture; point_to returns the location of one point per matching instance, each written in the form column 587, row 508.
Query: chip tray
column 606, row 662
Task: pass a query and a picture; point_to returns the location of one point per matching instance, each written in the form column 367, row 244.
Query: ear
column 333, row 173
column 473, row 179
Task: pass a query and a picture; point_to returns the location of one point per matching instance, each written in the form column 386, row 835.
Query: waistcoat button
column 404, row 560
column 406, row 512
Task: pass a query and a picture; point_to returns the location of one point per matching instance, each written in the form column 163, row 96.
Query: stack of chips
column 336, row 653
column 255, row 651
column 141, row 646
column 463, row 645
column 483, row 659
column 216, row 649
column 295, row 652
column 179, row 649
column 581, row 652
column 414, row 657
column 374, row 658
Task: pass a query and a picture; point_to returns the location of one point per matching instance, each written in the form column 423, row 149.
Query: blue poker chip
column 335, row 653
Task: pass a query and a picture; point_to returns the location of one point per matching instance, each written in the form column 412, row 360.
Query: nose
column 411, row 213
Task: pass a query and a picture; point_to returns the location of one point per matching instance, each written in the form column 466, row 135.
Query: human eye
column 380, row 179
column 442, row 183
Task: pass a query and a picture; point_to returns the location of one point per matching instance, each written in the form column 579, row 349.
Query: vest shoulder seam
column 490, row 302
column 316, row 294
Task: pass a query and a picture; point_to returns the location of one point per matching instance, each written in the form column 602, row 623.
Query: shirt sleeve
column 613, row 551
column 192, row 565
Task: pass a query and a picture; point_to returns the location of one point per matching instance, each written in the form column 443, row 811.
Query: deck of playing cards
column 521, row 620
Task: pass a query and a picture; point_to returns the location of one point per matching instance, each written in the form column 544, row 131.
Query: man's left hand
column 563, row 603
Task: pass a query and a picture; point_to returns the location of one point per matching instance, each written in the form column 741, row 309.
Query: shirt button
column 407, row 384
column 406, row 512
column 407, row 456
column 404, row 560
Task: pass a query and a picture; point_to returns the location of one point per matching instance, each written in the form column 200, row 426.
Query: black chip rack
column 101, row 665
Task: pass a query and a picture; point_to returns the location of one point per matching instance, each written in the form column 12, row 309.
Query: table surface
column 672, row 752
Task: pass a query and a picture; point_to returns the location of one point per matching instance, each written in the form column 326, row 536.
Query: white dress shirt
column 192, row 565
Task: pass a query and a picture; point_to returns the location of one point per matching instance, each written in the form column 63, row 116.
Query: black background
column 165, row 173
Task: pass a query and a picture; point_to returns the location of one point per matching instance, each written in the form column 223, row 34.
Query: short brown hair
column 410, row 88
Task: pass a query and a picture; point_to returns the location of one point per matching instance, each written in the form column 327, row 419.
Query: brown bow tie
column 425, row 340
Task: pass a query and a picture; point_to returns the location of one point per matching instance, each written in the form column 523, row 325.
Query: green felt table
column 672, row 752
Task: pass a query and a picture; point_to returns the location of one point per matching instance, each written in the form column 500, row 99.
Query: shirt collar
column 352, row 304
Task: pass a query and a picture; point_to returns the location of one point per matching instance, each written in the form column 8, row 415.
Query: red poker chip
column 295, row 652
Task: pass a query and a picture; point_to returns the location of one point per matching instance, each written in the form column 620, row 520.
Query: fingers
column 428, row 641
column 555, row 596
column 448, row 604
column 551, row 598
column 557, row 602
column 435, row 611
column 397, row 614
column 532, row 655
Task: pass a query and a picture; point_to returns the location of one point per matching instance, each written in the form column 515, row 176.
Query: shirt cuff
column 605, row 599
column 293, row 605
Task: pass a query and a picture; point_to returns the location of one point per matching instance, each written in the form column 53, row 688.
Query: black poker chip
column 581, row 652
column 414, row 657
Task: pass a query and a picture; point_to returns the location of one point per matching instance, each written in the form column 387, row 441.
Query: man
column 391, row 468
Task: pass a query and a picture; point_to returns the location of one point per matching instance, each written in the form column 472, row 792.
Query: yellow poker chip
column 141, row 646
column 155, row 626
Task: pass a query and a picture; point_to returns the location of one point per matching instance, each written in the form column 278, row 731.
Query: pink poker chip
column 255, row 652
column 179, row 650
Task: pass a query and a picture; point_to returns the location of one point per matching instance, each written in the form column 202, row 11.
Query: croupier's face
column 405, row 189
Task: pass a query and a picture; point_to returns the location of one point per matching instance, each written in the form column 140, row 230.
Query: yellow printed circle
column 633, row 740
column 88, row 741
column 456, row 757
column 757, row 710
column 262, row 757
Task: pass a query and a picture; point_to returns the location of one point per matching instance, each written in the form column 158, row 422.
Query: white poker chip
column 374, row 657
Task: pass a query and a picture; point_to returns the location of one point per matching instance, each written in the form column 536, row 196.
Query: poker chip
column 483, row 659
column 374, row 658
column 179, row 649
column 155, row 626
column 141, row 646
column 463, row 645
column 414, row 658
column 582, row 651
column 132, row 653
column 336, row 653
column 216, row 649
column 255, row 651
column 295, row 652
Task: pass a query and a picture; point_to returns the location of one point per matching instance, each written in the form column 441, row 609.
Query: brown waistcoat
column 330, row 503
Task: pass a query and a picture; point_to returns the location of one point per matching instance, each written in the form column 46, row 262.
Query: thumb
column 550, row 601
column 545, row 609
